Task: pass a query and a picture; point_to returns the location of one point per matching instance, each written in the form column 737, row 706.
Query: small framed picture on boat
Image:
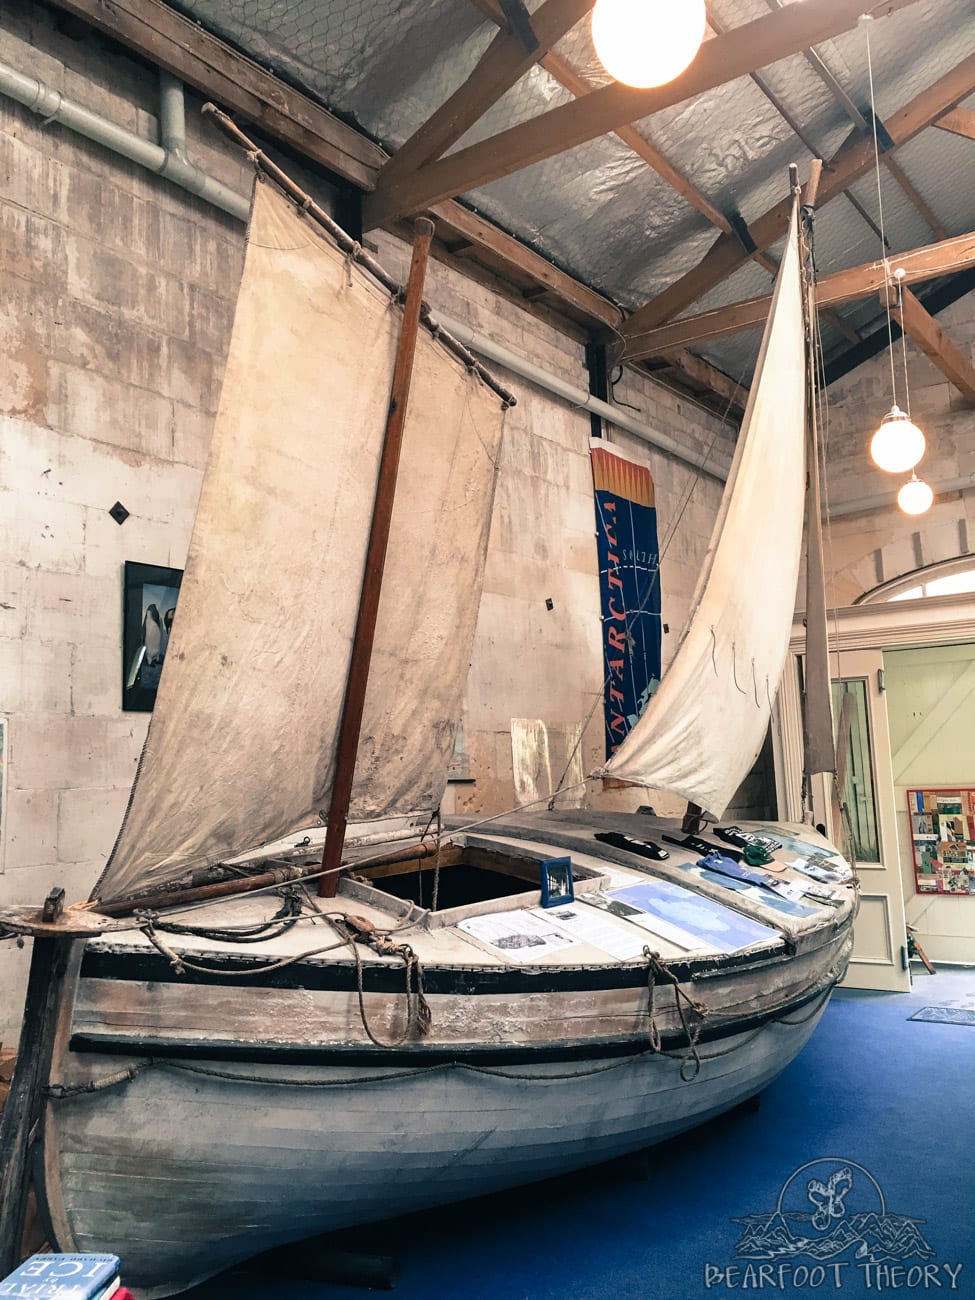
column 149, row 596
column 556, row 878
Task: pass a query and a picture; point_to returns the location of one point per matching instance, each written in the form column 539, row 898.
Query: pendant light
column 898, row 444
column 646, row 43
column 915, row 497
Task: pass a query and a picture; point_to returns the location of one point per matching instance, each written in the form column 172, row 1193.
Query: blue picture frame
column 556, row 881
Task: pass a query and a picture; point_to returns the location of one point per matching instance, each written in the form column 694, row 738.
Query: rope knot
column 418, row 1015
column 658, row 970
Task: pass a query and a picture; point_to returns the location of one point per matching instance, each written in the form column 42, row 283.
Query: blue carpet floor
column 881, row 1102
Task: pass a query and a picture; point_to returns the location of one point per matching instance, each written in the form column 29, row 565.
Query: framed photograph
column 943, row 840
column 149, row 596
column 556, row 880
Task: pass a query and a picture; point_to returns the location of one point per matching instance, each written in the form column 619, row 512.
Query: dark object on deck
column 644, row 848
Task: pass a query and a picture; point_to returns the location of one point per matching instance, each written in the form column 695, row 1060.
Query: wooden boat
column 216, row 1075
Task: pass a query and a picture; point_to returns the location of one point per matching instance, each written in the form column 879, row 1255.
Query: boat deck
column 600, row 927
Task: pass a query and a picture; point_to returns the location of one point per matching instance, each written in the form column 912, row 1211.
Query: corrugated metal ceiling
column 599, row 211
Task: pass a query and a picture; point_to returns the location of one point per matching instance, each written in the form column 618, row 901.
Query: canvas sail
column 704, row 727
column 241, row 747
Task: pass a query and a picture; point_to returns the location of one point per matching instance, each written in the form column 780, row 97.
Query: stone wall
column 116, row 300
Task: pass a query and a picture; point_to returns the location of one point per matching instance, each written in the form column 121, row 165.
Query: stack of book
column 65, row 1277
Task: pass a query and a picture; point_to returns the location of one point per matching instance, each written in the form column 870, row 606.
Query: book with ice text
column 63, row 1277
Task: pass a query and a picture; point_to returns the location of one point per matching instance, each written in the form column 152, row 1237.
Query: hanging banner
column 629, row 583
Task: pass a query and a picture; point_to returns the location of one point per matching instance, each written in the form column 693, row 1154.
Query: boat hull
column 207, row 1107
column 194, row 1165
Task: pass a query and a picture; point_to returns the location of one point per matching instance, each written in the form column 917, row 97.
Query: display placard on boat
column 520, row 935
column 586, row 925
column 707, row 923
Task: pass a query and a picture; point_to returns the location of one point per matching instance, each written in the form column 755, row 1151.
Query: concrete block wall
column 116, row 302
column 529, row 661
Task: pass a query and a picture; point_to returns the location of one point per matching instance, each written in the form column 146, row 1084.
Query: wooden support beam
column 852, row 161
column 504, row 62
column 842, row 327
column 920, row 326
column 456, row 223
column 753, row 45
column 695, row 368
column 919, row 264
column 959, row 120
column 210, row 66
column 702, row 372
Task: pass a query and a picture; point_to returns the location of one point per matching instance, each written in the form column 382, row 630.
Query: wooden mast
column 819, row 754
column 355, row 689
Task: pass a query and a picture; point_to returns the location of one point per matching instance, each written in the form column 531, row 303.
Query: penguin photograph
column 150, row 607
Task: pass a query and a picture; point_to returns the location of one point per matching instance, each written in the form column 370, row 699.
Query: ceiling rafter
column 961, row 121
column 790, row 118
column 577, row 85
column 936, row 298
column 504, row 63
column 698, row 371
column 818, row 65
column 918, row 324
column 853, row 160
column 702, row 372
column 926, row 263
column 920, row 203
column 725, row 58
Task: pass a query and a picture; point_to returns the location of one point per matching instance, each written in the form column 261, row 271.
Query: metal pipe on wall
column 168, row 159
column 714, row 466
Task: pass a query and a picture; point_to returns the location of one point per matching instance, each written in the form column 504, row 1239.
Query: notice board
column 943, row 839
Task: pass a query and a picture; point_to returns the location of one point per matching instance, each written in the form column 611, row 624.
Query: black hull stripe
column 418, row 1055
column 129, row 965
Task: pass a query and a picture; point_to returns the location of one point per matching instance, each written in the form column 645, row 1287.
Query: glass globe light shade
column 898, row 444
column 915, row 496
column 647, row 42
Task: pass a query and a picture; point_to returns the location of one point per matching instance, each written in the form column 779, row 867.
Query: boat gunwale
column 633, row 1044
column 124, row 964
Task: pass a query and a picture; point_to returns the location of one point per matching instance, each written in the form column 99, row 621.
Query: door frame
column 893, row 625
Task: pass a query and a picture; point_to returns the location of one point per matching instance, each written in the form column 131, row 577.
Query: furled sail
column 241, row 747
column 704, row 727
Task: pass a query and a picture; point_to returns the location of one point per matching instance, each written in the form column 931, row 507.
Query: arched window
column 952, row 578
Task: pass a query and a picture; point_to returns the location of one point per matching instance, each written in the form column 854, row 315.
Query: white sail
column 705, row 725
column 241, row 747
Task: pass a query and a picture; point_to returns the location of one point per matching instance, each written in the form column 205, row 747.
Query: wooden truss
column 424, row 177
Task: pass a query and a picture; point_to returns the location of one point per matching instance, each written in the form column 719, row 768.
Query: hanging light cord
column 899, row 275
column 867, row 20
